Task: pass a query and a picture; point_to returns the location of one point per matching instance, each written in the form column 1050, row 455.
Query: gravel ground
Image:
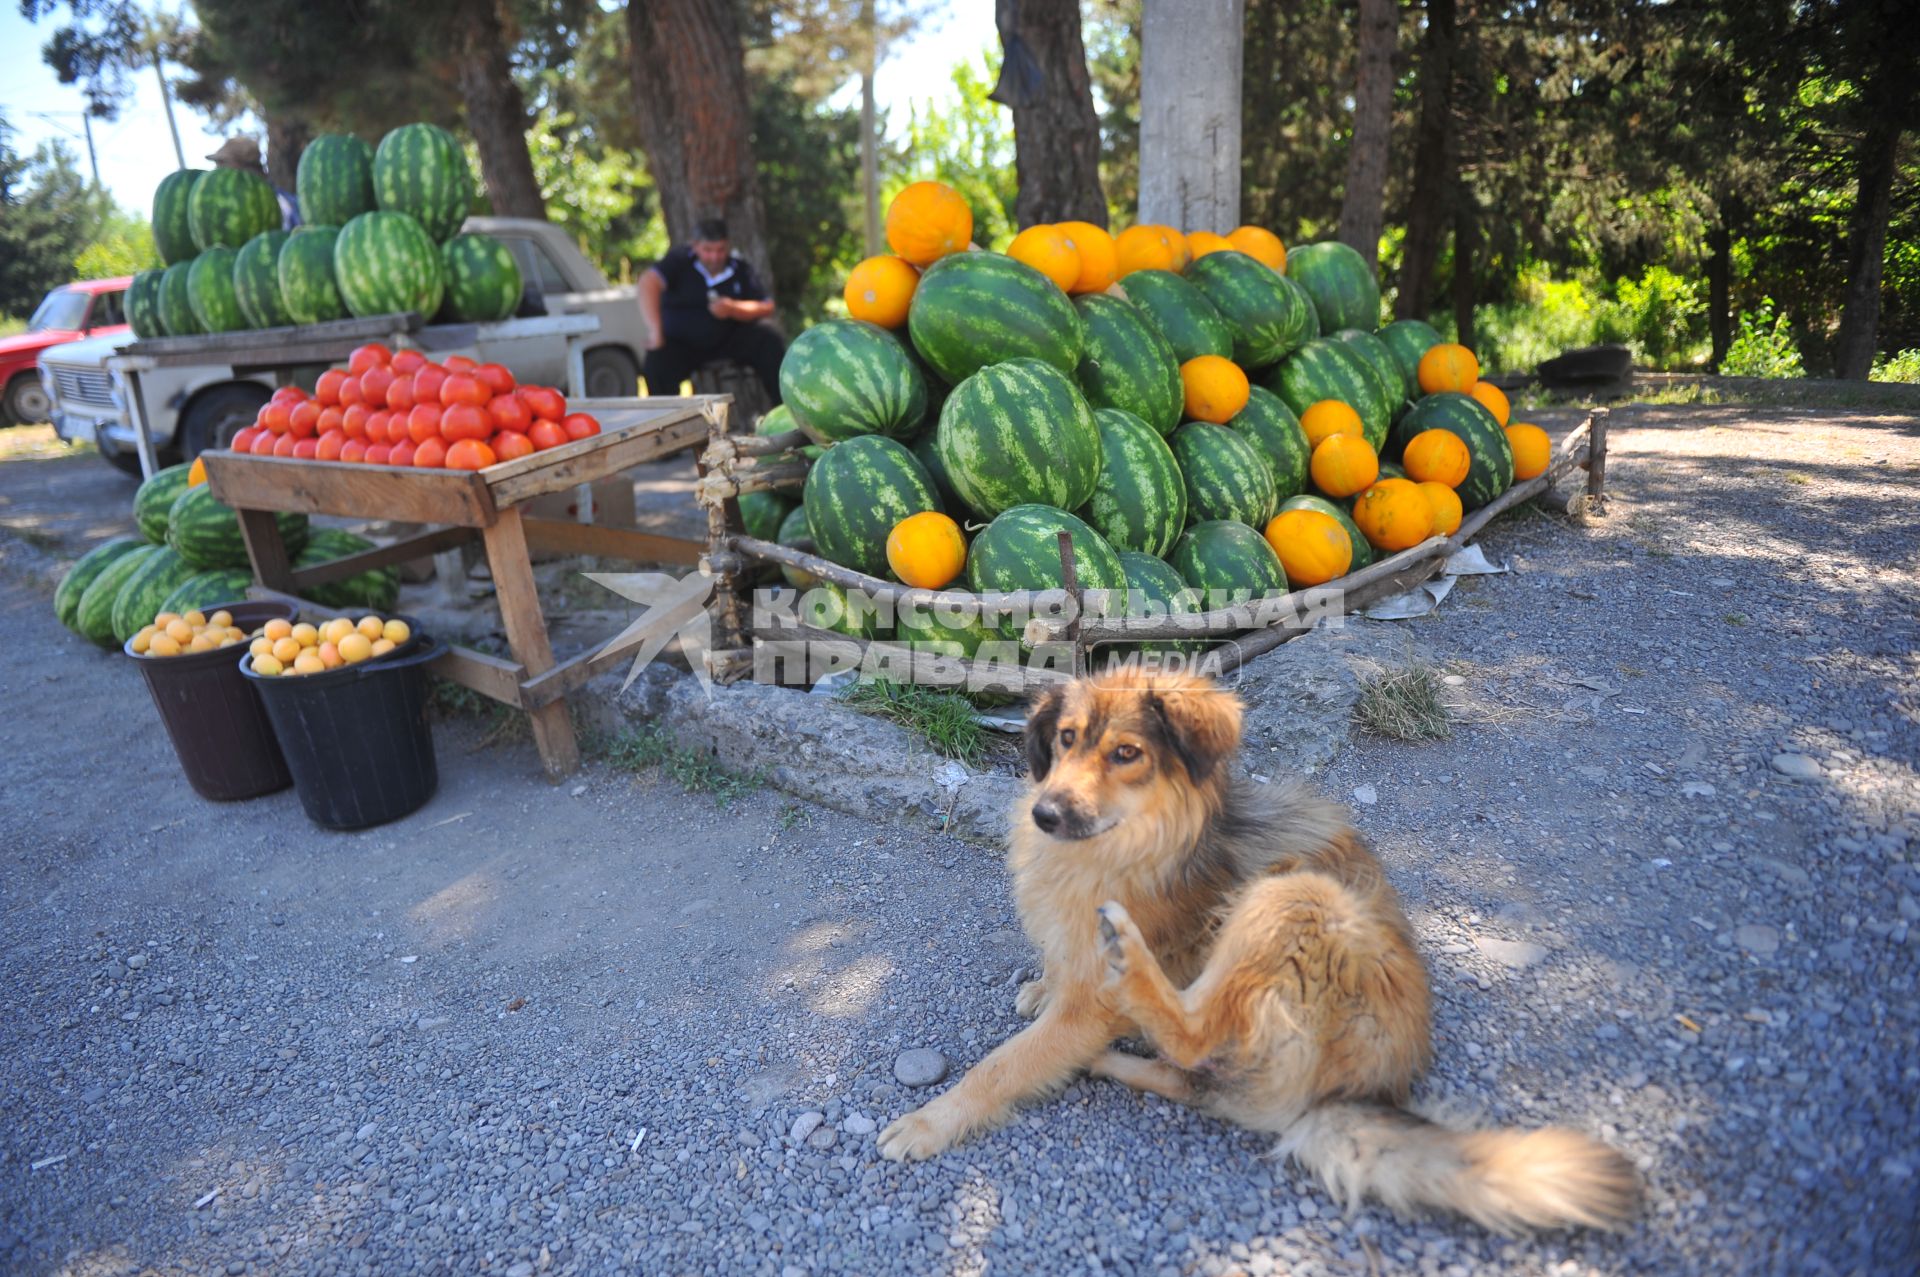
column 612, row 1026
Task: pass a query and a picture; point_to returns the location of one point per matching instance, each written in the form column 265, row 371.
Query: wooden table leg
column 266, row 550
column 142, row 433
column 526, row 630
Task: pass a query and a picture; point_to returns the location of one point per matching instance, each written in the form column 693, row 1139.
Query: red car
column 93, row 308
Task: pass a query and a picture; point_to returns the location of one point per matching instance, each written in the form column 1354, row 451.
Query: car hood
column 27, row 343
column 90, row 352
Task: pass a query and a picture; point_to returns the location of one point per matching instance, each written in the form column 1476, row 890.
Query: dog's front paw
column 1031, row 997
column 919, row 1135
column 1118, row 939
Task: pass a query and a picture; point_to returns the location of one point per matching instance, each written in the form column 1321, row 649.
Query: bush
column 1762, row 346
column 1904, row 366
column 1663, row 316
column 1660, row 315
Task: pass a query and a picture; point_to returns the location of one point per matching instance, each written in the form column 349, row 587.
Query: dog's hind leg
column 1143, row 993
column 1156, row 1076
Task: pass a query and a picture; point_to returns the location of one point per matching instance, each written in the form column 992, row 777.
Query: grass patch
column 943, row 719
column 652, row 748
column 501, row 724
column 1735, row 618
column 1797, row 479
column 1405, row 705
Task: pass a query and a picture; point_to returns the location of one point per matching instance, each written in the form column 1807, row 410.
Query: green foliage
column 123, row 245
column 809, row 170
column 1903, row 367
column 1763, row 346
column 945, row 720
column 1663, row 315
column 1660, row 315
column 600, row 193
column 47, row 215
column 966, row 142
column 652, row 747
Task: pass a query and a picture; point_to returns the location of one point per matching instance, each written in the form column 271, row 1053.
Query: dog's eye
column 1066, row 737
column 1126, row 753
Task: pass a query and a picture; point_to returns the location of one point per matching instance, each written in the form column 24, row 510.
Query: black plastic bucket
column 215, row 720
column 357, row 738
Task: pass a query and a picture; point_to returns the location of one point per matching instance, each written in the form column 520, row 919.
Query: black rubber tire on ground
column 611, row 374
column 124, row 462
column 27, row 403
column 217, row 416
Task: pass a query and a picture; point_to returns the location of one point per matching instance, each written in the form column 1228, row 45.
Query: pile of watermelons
column 190, row 555
column 377, row 235
column 1199, row 412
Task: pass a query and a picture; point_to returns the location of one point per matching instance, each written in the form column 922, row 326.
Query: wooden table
column 483, row 504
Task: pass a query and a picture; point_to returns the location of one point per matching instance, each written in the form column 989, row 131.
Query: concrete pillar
column 1190, row 65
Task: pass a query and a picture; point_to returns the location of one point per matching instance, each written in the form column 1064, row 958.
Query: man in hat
column 703, row 305
column 244, row 153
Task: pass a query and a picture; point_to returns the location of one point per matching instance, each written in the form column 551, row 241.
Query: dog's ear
column 1043, row 720
column 1201, row 726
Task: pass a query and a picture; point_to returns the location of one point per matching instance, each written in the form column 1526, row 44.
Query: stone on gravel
column 920, row 1067
column 1516, row 955
column 858, row 1124
column 1757, row 938
column 1797, row 767
column 805, row 1125
column 1366, row 795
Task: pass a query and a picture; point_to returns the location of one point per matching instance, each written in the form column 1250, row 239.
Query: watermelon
column 176, row 302
column 1154, row 589
column 1019, row 433
column 1379, row 356
column 1229, row 562
column 1127, row 364
column 421, row 171
column 1267, row 312
column 976, row 309
column 229, row 206
column 1362, row 548
column 159, row 574
column 385, row 264
column 1491, row 471
column 375, row 590
column 778, row 421
column 73, row 586
column 942, row 630
column 256, row 281
column 155, row 498
column 846, row 378
column 1227, row 477
column 925, row 447
column 483, row 280
column 1139, row 501
column 1270, row 426
column 307, row 287
column 795, row 534
column 1409, row 339
column 831, row 607
column 210, row 291
column 93, row 618
column 1181, row 312
column 1338, row 279
column 1328, row 369
column 206, row 534
column 762, row 513
column 203, row 590
column 856, row 493
column 172, row 234
column 1020, row 550
column 143, row 304
column 335, row 180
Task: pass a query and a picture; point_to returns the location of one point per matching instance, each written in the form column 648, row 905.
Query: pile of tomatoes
column 398, row 408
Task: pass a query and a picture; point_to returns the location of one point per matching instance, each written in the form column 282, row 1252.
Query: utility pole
column 166, row 100
column 1190, row 121
column 86, row 119
column 869, row 145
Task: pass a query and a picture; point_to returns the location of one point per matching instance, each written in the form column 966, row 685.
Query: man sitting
column 703, row 304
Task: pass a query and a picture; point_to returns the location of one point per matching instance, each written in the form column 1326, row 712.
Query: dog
column 1248, row 934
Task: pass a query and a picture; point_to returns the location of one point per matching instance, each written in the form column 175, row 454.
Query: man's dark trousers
column 757, row 345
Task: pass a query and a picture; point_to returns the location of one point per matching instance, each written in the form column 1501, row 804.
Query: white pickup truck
column 196, row 408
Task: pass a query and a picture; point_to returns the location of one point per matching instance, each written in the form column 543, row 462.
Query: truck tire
column 27, row 403
column 611, row 374
column 217, row 415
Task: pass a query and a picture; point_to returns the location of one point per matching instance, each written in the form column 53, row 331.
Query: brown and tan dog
column 1247, row 932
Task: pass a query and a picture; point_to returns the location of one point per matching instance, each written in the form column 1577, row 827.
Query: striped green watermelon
column 1379, row 356
column 256, row 281
column 172, row 233
column 374, row 590
column 483, row 280
column 778, row 421
column 1017, row 433
column 762, row 513
column 795, row 534
column 176, row 302
column 229, row 206
column 1409, row 339
column 421, row 171
column 335, row 180
column 1227, row 477
column 856, row 493
column 925, row 447
column 1020, row 550
column 831, row 607
column 210, row 291
column 1267, row 312
column 1491, row 471
column 1181, row 312
column 1154, row 589
column 1329, row 369
column 203, row 590
column 1362, row 548
column 846, row 378
column 1270, row 426
column 976, row 309
column 1139, row 501
column 154, row 500
column 386, row 264
column 159, row 574
column 1127, row 364
column 1338, row 279
column 206, row 534
column 143, row 304
column 93, row 618
column 1229, row 561
column 942, row 630
column 73, row 586
column 307, row 286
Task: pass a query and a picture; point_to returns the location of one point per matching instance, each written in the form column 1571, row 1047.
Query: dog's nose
column 1046, row 814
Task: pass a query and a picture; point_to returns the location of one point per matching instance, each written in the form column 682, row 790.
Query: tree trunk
column 1361, row 211
column 1056, row 135
column 496, row 113
column 1720, row 291
column 1191, row 60
column 287, row 138
column 1432, row 163
column 1465, row 237
column 869, row 141
column 1853, row 347
column 690, row 85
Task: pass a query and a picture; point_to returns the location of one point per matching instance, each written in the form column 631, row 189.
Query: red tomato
column 243, row 442
column 509, row 412
column 402, row 454
column 400, row 393
column 470, row 454
column 407, row 362
column 275, row 418
column 580, row 426
column 373, row 386
column 303, row 419
column 327, row 446
column 305, row 449
column 288, row 395
column 430, row 455
column 460, row 388
column 423, row 422
column 371, row 355
column 327, row 389
column 353, row 450
column 378, row 454
column 354, row 422
column 331, row 418
column 511, row 445
column 380, row 426
column 264, row 443
column 544, row 401
column 460, row 363
column 350, row 392
column 283, row 445
column 464, row 421
column 546, row 434
column 495, row 377
column 426, row 383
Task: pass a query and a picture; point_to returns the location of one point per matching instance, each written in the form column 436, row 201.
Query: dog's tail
column 1506, row 1180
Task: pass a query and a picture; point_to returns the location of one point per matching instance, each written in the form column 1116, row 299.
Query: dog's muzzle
column 1062, row 819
